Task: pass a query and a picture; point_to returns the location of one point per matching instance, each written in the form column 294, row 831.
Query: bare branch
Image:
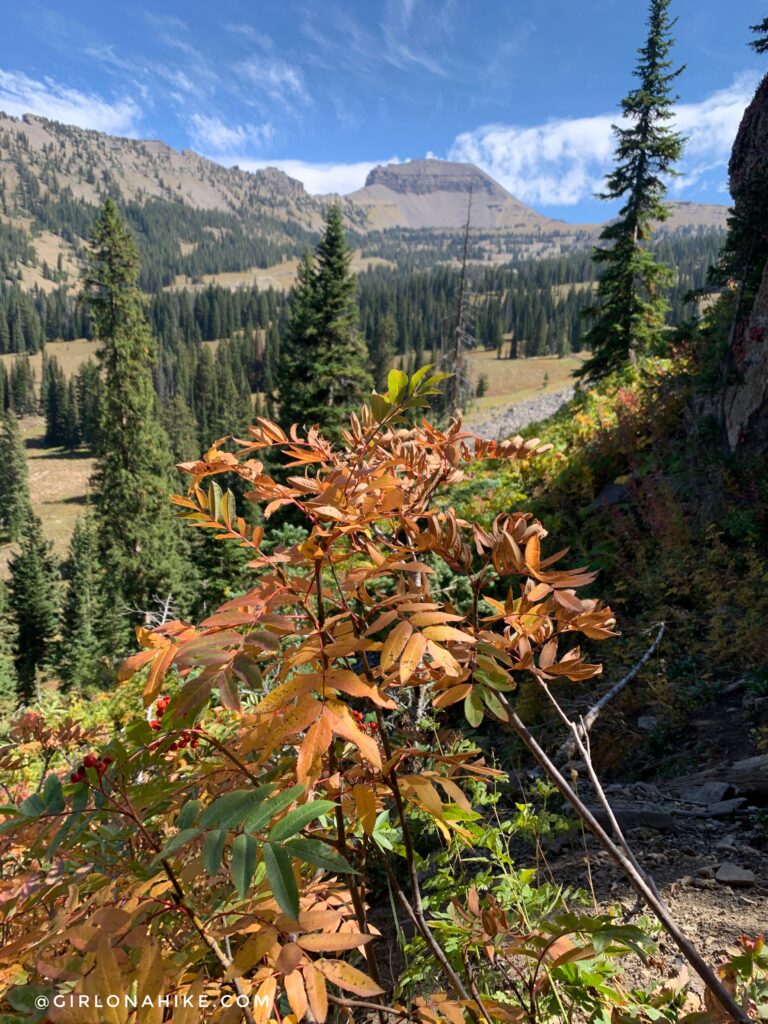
column 588, row 720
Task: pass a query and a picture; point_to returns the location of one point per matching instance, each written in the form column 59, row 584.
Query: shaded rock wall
column 746, row 396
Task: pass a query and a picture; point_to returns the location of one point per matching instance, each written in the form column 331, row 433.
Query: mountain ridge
column 54, row 176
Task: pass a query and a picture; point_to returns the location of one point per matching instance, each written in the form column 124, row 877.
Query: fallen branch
column 588, row 720
column 628, row 865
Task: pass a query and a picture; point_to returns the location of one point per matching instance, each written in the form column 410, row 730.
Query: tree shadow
column 57, row 453
column 74, row 499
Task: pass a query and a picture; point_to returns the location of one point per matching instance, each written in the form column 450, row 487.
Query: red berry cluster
column 186, row 739
column 162, row 704
column 370, row 727
column 91, row 761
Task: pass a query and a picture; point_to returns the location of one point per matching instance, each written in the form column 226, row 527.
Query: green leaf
column 379, row 406
column 176, row 842
column 263, row 815
column 60, row 835
column 187, row 814
column 281, row 879
column 437, row 378
column 214, row 500
column 53, row 795
column 295, row 820
column 229, row 507
column 397, row 383
column 213, row 850
column 473, row 707
column 80, row 798
column 418, row 377
column 32, row 806
column 494, row 705
column 320, row 855
column 231, row 808
column 243, row 862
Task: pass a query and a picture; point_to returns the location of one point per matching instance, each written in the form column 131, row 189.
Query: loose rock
column 733, row 875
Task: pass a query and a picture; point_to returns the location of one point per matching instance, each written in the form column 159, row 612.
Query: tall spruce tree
column 140, row 547
column 9, row 683
column 14, row 487
column 34, row 591
column 629, row 315
column 324, row 373
column 82, row 612
column 382, row 349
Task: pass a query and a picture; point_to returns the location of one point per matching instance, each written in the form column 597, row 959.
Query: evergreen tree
column 181, row 429
column 90, row 395
column 71, row 436
column 323, row 369
column 53, row 391
column 82, row 612
column 629, row 316
column 22, row 387
column 34, row 590
column 14, row 486
column 760, row 45
column 9, row 684
column 205, row 398
column 139, row 542
column 383, row 350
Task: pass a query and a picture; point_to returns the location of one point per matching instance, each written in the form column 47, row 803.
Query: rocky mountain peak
column 422, row 177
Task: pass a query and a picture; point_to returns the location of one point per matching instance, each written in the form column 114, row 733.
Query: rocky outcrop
column 421, row 177
column 435, row 194
column 749, row 156
column 746, row 398
column 508, row 420
column 745, row 403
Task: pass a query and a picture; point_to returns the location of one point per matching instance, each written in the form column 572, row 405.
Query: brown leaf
column 334, row 943
column 394, row 644
column 348, row 978
column 314, row 745
column 411, row 656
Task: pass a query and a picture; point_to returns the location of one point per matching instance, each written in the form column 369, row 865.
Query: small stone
column 707, row 871
column 704, row 883
column 631, row 816
column 647, row 723
column 732, row 874
column 726, row 808
column 726, row 843
column 707, row 793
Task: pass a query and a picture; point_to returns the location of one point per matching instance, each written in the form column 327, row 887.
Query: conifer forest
column 383, row 575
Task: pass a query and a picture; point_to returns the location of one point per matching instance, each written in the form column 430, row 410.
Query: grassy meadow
column 58, row 479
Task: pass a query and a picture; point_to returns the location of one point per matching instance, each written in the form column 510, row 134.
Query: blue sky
column 326, row 89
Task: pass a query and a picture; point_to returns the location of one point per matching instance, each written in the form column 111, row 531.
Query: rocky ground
column 515, row 417
column 704, row 844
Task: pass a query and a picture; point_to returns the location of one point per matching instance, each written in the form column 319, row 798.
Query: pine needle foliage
column 324, row 375
column 139, row 544
column 14, row 486
column 629, row 315
column 760, row 44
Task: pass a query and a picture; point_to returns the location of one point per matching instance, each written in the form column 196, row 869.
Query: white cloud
column 280, row 81
column 318, row 179
column 20, row 94
column 563, row 162
column 250, row 33
column 560, row 162
column 211, row 134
